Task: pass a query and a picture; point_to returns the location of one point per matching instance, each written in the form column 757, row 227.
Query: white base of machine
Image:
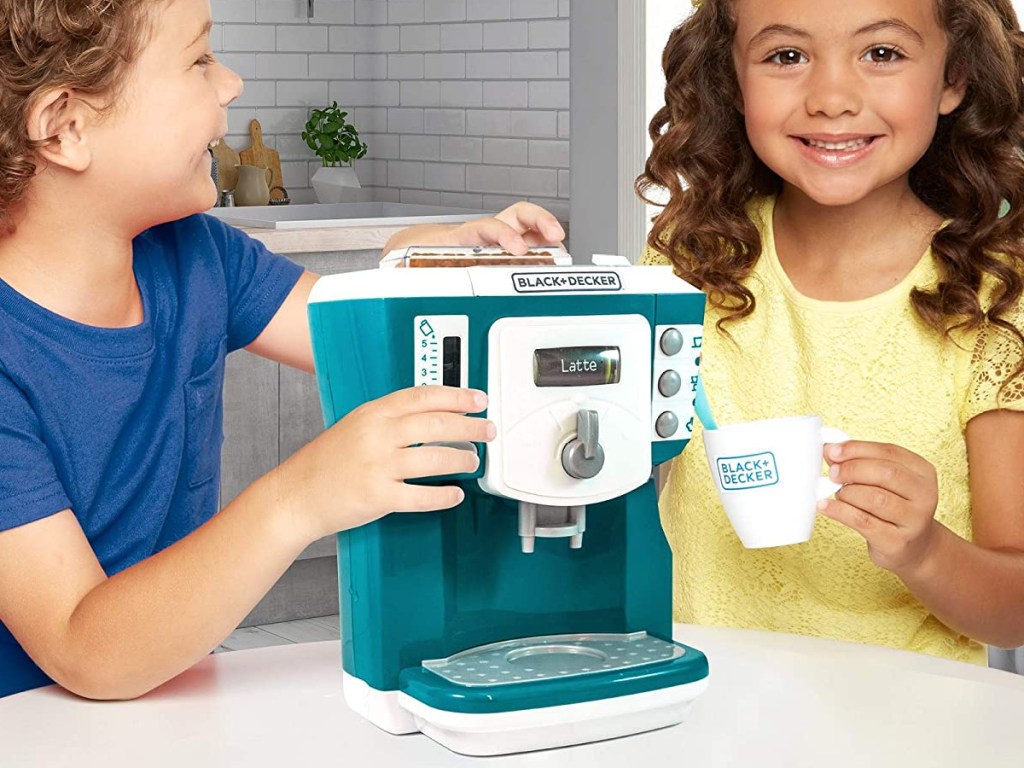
column 524, row 730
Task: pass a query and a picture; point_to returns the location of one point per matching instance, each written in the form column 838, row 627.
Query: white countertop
column 337, row 226
column 773, row 700
column 318, row 240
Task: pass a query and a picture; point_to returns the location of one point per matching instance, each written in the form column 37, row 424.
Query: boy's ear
column 62, row 114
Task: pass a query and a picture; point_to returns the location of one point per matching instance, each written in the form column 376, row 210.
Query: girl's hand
column 889, row 496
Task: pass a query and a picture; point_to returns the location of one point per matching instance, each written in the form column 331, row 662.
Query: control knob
column 583, row 456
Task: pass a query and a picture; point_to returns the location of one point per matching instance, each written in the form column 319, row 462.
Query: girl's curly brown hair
column 82, row 45
column 974, row 163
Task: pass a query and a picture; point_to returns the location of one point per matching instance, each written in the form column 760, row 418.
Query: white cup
column 769, row 476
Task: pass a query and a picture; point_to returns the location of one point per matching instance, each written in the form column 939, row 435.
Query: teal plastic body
column 426, row 586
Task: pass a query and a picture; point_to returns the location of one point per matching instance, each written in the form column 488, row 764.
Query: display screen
column 576, row 366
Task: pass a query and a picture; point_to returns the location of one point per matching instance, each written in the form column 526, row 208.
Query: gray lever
column 583, row 456
column 587, row 432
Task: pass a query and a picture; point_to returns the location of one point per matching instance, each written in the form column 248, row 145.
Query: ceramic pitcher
column 253, row 187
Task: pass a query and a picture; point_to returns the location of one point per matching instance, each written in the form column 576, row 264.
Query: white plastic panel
column 535, row 423
column 497, row 281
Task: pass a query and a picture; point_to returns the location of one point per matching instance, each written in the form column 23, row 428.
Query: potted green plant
column 336, row 142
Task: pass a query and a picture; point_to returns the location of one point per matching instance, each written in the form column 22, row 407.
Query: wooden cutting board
column 262, row 156
column 227, row 159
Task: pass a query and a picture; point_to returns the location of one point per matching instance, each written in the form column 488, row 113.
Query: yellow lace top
column 871, row 368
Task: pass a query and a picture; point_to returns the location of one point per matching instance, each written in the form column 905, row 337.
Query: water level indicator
column 440, row 350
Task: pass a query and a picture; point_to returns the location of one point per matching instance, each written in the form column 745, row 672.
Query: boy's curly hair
column 83, row 45
column 974, row 163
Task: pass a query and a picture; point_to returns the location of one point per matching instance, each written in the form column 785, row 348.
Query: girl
column 117, row 307
column 846, row 165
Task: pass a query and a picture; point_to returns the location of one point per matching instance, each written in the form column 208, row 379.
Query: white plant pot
column 335, row 184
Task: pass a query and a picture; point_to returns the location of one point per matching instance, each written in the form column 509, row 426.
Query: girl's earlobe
column 57, row 124
column 953, row 95
column 737, row 97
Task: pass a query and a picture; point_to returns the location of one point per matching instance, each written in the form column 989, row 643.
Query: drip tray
column 552, row 656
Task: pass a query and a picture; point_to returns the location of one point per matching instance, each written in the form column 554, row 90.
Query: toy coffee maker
column 538, row 612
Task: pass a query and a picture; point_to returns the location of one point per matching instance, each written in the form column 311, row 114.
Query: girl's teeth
column 214, row 143
column 839, row 145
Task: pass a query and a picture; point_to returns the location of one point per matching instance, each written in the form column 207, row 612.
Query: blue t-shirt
column 124, row 426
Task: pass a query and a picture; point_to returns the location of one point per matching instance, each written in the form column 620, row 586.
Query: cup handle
column 270, row 176
column 827, row 487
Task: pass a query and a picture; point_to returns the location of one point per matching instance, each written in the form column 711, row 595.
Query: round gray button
column 576, row 463
column 667, row 424
column 671, row 342
column 669, row 384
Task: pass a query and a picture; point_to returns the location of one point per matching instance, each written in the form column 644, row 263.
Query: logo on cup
column 741, row 473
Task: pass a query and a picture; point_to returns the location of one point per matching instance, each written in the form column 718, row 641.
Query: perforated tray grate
column 552, row 656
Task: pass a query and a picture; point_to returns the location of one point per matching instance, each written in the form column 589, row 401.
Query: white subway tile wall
column 462, row 102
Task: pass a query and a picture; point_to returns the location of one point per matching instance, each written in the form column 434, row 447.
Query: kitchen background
column 462, row 102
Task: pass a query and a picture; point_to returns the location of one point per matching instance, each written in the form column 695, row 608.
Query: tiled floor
column 302, row 631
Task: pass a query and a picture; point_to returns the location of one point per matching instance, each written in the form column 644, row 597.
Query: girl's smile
column 840, row 151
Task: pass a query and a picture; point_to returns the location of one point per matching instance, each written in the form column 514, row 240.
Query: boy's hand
column 515, row 229
column 355, row 472
column 889, row 496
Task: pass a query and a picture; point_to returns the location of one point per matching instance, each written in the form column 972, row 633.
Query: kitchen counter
column 773, row 700
column 326, row 239
column 318, row 228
